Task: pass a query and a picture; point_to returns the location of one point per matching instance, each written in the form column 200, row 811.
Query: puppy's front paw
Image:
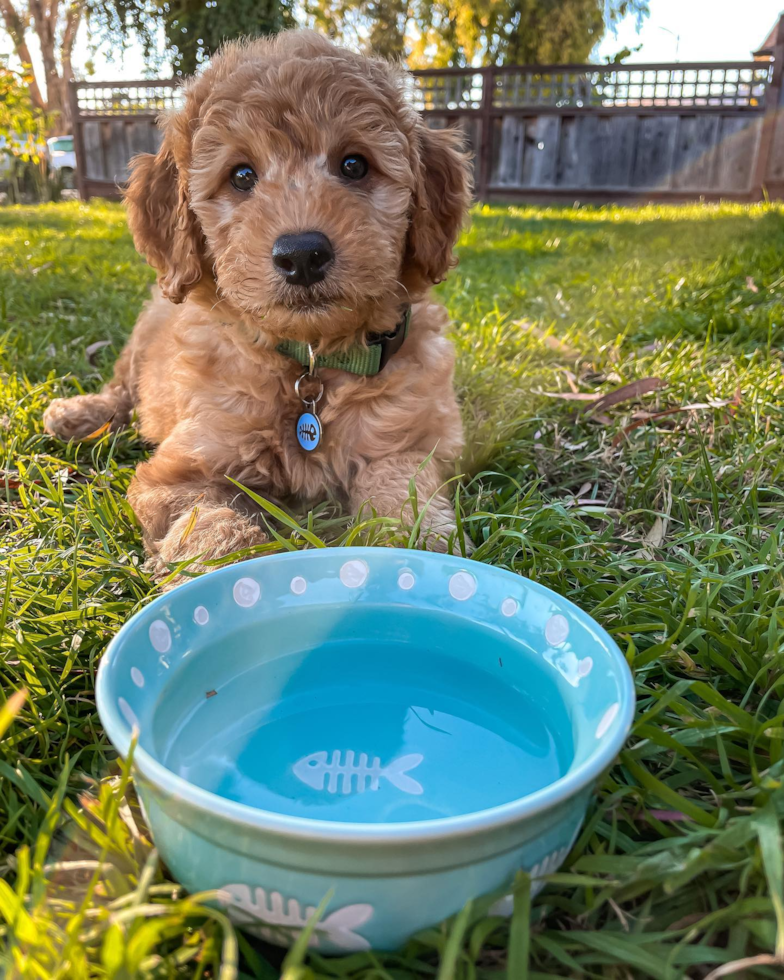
column 79, row 417
column 445, row 539
column 214, row 533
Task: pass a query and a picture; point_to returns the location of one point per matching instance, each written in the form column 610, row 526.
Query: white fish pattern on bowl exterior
column 277, row 919
column 314, row 771
column 549, row 864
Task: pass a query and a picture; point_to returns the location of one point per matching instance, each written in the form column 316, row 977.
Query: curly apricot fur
column 201, row 367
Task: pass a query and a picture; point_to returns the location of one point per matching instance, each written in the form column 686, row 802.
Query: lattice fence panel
column 447, row 92
column 670, row 87
column 128, row 100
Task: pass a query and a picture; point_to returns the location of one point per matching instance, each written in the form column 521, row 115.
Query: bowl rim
column 567, row 786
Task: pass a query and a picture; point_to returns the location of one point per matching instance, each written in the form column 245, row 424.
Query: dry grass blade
column 548, row 339
column 188, row 529
column 102, row 430
column 727, row 969
column 11, row 709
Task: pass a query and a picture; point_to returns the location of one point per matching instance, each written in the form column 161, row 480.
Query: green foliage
column 669, row 528
column 195, row 28
column 23, row 130
column 516, row 32
column 440, row 33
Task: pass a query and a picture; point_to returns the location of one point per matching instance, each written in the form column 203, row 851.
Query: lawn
column 660, row 512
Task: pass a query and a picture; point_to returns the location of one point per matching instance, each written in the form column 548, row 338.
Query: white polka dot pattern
column 406, row 580
column 137, row 677
column 160, row 636
column 557, row 630
column 354, row 573
column 509, row 607
column 585, row 666
column 462, row 586
column 607, row 719
column 298, row 585
column 127, row 712
column 200, row 616
column 246, row 592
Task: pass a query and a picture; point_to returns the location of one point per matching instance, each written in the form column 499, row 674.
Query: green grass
column 670, row 533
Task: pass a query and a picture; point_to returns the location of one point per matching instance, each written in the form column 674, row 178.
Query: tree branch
column 45, row 30
column 72, row 20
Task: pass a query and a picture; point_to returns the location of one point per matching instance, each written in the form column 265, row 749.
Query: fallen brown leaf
column 573, row 396
column 211, row 694
column 627, row 392
column 655, row 536
column 10, row 480
column 653, row 416
column 92, row 349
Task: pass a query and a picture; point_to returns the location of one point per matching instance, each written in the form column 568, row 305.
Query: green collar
column 363, row 359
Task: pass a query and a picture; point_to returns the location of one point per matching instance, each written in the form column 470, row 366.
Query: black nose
column 303, row 259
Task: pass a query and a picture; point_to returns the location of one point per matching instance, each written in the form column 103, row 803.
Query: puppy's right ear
column 164, row 228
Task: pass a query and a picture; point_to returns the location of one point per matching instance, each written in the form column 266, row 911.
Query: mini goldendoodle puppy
column 297, row 213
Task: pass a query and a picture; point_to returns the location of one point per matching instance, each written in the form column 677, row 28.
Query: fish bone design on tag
column 314, row 770
column 272, row 917
column 308, row 431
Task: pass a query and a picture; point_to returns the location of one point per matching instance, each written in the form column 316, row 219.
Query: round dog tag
column 308, row 431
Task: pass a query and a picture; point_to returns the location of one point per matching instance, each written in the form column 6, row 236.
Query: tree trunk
column 45, row 26
column 72, row 21
column 16, row 30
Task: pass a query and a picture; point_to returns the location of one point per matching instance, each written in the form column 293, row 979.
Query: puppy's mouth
column 312, row 305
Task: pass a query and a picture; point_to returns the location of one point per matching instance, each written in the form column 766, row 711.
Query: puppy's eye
column 243, row 177
column 354, row 166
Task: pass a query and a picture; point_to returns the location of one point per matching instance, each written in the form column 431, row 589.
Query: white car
column 62, row 157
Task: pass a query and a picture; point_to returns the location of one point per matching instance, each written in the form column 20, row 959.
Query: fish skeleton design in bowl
column 314, row 771
column 279, row 920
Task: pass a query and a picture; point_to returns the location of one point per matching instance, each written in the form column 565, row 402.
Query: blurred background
column 527, row 151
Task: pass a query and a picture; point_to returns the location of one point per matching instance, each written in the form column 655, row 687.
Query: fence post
column 486, row 141
column 76, row 125
column 774, row 95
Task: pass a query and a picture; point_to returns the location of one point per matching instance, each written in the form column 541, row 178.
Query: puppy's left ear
column 442, row 194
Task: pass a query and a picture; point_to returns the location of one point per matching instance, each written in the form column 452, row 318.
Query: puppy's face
column 298, row 187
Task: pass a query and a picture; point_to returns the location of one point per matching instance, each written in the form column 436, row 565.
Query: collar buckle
column 390, row 343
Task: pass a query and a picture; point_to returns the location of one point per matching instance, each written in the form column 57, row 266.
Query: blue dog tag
column 308, row 431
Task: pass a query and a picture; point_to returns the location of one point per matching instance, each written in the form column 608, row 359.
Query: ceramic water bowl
column 401, row 728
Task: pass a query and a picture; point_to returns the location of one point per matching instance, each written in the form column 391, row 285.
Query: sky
column 700, row 30
column 692, row 30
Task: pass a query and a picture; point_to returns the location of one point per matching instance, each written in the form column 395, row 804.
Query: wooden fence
column 586, row 132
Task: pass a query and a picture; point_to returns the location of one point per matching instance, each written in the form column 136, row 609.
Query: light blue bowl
column 401, row 728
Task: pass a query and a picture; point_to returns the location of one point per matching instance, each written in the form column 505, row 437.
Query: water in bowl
column 366, row 729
